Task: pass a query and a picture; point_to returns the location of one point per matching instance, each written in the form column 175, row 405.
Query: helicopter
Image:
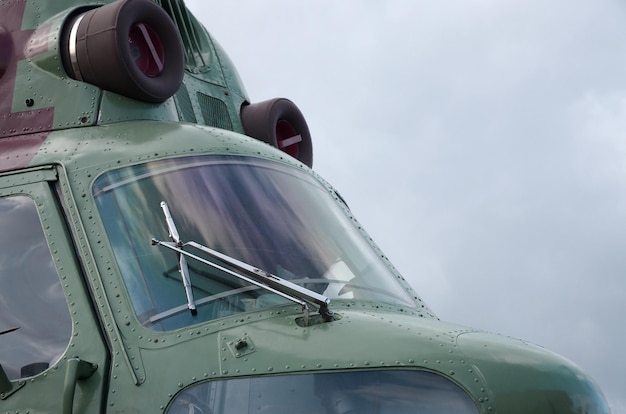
column 168, row 247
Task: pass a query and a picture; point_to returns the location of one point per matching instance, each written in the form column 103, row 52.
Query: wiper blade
column 267, row 280
column 182, row 262
column 249, row 273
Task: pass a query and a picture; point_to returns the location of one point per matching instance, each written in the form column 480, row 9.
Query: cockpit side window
column 35, row 323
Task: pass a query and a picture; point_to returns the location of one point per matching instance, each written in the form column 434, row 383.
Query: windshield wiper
column 182, row 262
column 244, row 271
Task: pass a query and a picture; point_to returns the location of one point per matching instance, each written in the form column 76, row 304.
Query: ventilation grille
column 184, row 106
column 214, row 111
column 192, row 35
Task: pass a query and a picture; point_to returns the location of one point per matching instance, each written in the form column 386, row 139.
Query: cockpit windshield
column 272, row 216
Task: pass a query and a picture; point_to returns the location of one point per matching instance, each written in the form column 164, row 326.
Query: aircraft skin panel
column 38, row 95
column 34, row 86
column 14, row 44
column 126, row 142
column 280, row 346
column 18, row 151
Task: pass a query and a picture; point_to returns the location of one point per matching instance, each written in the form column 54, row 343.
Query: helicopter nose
column 526, row 378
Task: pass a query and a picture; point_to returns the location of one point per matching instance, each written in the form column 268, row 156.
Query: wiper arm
column 269, row 281
column 250, row 274
column 182, row 262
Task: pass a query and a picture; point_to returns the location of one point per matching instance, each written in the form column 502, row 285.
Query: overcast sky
column 481, row 143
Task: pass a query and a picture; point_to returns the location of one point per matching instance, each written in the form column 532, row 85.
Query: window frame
column 48, row 188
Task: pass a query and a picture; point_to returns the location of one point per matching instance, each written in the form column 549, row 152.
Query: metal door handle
column 77, row 369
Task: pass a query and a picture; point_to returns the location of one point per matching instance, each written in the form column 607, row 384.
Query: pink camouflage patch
column 21, row 133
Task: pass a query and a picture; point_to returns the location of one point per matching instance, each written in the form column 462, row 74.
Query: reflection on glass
column 362, row 392
column 268, row 215
column 32, row 299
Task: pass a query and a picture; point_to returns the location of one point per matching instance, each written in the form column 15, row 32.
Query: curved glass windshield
column 269, row 215
column 356, row 392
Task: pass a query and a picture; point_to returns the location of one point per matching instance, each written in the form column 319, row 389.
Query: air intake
column 214, row 112
column 193, row 38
